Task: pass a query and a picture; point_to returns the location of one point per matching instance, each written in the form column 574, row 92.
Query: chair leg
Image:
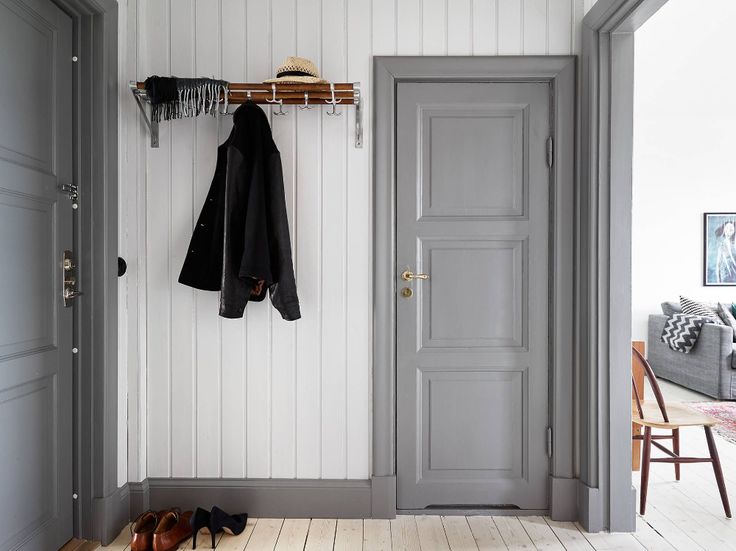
column 646, row 456
column 717, row 470
column 676, row 450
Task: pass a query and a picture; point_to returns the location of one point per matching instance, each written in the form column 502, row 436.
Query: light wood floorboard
column 683, row 516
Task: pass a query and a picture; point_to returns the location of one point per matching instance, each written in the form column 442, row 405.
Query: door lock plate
column 406, row 292
column 69, row 278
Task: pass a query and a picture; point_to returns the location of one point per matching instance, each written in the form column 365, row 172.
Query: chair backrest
column 652, row 378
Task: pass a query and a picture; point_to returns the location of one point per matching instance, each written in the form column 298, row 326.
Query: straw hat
column 296, row 70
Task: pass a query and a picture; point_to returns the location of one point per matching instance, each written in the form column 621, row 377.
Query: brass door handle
column 408, row 275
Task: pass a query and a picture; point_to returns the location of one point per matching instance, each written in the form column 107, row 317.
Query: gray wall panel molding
column 110, row 513
column 604, row 275
column 289, row 498
column 559, row 71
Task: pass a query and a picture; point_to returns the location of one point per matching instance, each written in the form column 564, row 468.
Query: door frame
column 559, row 73
column 101, row 508
column 603, row 292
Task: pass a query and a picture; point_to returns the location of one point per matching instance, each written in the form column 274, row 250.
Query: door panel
column 472, row 340
column 35, row 228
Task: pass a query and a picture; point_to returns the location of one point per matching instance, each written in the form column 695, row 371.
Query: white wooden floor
column 685, row 515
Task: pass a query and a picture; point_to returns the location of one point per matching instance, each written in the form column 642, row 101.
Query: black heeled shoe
column 200, row 520
column 232, row 524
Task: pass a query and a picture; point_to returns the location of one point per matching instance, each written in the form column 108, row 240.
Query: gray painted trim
column 139, row 497
column 280, row 498
column 559, row 71
column 111, row 513
column 95, row 28
column 564, row 493
column 604, row 293
column 383, row 497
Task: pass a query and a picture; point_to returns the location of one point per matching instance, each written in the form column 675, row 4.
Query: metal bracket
column 358, row 115
column 152, row 125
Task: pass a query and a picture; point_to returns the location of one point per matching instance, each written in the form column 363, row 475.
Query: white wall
column 260, row 397
column 684, row 143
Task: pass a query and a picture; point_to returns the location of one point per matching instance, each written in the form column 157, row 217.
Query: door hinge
column 550, row 151
column 549, row 441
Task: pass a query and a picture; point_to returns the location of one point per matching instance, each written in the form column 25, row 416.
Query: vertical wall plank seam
column 295, row 226
column 193, row 219
column 546, row 28
column 168, row 264
column 471, row 28
column 220, row 405
column 319, row 250
column 270, row 312
column 195, row 362
column 497, row 26
column 245, row 322
column 346, row 187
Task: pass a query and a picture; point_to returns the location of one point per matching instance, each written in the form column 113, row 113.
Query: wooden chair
column 672, row 416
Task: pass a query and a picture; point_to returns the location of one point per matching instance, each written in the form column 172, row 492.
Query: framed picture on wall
column 720, row 249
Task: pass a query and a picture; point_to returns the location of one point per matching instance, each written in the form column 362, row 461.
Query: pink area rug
column 725, row 412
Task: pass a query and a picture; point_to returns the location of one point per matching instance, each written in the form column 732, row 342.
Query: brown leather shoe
column 172, row 529
column 142, row 531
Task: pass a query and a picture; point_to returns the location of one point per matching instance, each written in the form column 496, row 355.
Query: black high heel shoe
column 200, row 520
column 232, row 524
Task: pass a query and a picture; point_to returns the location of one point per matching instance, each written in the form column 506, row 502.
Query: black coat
column 240, row 244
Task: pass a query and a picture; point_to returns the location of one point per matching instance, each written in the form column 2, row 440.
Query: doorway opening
column 683, row 226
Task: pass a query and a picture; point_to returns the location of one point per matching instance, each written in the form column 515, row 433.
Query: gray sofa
column 710, row 368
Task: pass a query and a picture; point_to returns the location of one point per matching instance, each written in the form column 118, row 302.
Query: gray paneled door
column 472, row 339
column 36, row 505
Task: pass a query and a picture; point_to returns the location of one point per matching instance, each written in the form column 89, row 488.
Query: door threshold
column 486, row 511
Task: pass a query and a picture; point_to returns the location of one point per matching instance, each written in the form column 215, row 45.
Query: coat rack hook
column 306, row 102
column 333, row 102
column 274, row 100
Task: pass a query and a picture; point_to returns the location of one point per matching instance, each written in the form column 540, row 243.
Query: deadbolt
column 69, row 278
column 406, row 292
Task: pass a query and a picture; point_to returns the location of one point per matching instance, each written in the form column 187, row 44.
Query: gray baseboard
column 111, row 514
column 280, row 498
column 590, row 508
column 563, row 498
column 139, row 498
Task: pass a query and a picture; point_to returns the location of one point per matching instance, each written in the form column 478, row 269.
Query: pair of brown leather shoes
column 160, row 531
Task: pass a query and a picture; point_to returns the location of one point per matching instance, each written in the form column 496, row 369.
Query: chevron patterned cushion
column 681, row 331
column 695, row 308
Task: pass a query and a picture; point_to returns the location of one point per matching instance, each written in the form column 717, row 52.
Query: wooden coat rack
column 305, row 96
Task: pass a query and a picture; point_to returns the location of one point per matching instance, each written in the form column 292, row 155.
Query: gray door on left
column 36, row 502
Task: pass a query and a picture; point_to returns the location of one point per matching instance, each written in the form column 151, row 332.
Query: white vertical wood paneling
column 261, row 397
column 460, row 27
column 258, row 334
column 384, row 26
column 510, row 27
column 534, row 13
column 408, row 27
column 334, row 273
column 283, row 358
column 183, row 353
column 485, row 30
column 359, row 294
column 308, row 265
column 434, row 27
column 208, row 380
column 232, row 22
column 158, row 279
